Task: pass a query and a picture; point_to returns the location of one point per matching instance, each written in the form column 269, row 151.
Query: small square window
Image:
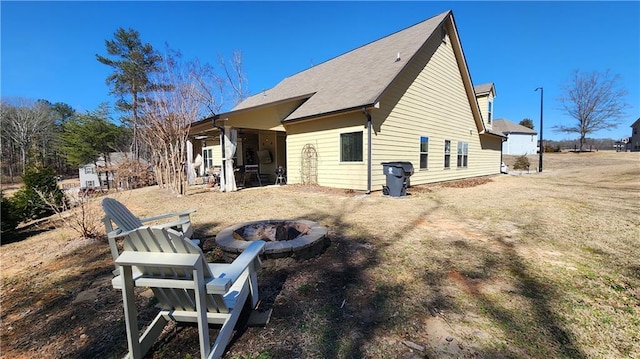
column 351, row 147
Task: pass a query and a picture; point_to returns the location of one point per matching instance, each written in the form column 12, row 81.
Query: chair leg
column 224, row 336
column 130, row 313
column 201, row 307
column 153, row 332
column 138, row 347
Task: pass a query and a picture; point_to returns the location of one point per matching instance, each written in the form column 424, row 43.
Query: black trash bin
column 398, row 174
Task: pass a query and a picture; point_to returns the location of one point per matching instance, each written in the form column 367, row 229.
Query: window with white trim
column 490, row 113
column 424, row 152
column 463, row 154
column 351, row 147
column 89, row 184
column 89, row 170
column 207, row 158
column 447, row 153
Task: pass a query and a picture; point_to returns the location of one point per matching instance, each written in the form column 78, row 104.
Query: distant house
column 405, row 97
column 103, row 174
column 622, row 145
column 89, row 176
column 634, row 141
column 521, row 140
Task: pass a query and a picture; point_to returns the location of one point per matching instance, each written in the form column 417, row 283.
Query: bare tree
column 192, row 91
column 235, row 78
column 168, row 114
column 24, row 122
column 595, row 100
column 10, row 150
column 84, row 219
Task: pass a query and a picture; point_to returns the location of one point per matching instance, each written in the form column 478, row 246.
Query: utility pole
column 541, row 143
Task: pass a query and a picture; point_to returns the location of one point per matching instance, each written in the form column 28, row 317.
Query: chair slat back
column 155, row 239
column 120, row 215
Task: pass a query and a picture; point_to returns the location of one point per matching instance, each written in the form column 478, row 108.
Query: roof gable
column 352, row 80
column 485, row 89
column 359, row 78
column 506, row 126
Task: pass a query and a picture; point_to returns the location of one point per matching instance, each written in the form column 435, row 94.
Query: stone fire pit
column 285, row 238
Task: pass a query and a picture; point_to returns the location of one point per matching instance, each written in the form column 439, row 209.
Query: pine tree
column 132, row 62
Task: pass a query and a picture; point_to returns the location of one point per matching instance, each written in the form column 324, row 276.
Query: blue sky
column 48, row 48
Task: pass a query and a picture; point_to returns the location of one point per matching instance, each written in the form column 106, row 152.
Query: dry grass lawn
column 540, row 265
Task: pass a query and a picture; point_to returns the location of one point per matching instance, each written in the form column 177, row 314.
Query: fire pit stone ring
column 284, row 238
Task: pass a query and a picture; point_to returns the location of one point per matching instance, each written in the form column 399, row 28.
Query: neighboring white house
column 520, row 140
column 91, row 177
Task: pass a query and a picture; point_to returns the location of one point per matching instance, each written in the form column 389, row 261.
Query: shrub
column 8, row 217
column 522, row 163
column 38, row 195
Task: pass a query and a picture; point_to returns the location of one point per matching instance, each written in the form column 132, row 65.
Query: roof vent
column 398, row 57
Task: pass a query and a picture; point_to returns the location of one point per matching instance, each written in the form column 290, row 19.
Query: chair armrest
column 179, row 222
column 183, row 214
column 116, row 233
column 249, row 258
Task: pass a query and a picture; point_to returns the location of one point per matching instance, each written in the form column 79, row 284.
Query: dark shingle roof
column 506, row 126
column 355, row 79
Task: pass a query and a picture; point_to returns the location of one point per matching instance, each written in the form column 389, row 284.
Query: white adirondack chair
column 187, row 288
column 126, row 221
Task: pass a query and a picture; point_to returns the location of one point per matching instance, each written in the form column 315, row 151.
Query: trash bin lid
column 407, row 167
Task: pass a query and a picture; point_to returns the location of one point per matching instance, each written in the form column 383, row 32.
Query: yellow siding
column 324, row 136
column 483, row 103
column 433, row 104
column 214, row 144
column 425, row 101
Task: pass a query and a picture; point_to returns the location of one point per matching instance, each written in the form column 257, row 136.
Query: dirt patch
column 543, row 265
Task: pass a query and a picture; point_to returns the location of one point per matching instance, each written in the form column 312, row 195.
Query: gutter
column 331, row 113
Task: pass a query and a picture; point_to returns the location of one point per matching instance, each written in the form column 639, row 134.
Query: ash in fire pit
column 271, row 231
column 299, row 238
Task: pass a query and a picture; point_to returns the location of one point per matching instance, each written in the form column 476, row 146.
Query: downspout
column 369, row 167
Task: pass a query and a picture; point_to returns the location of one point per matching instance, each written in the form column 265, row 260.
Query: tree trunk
column 23, row 155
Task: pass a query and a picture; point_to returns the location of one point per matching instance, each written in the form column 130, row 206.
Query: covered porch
column 248, row 157
column 246, row 145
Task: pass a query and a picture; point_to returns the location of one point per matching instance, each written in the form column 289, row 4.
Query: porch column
column 191, row 172
column 228, row 183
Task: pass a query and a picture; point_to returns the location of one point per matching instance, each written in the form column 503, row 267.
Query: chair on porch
column 251, row 172
column 186, row 287
column 118, row 214
column 281, row 175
